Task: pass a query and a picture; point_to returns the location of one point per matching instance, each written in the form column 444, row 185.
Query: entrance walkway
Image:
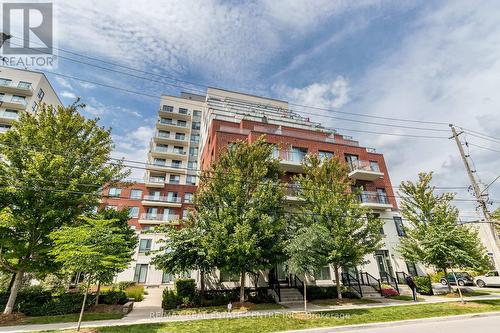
column 149, row 306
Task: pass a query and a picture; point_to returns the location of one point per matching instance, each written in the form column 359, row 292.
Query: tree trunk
column 446, row 278
column 83, row 305
column 202, row 281
column 242, row 286
column 9, row 307
column 305, row 295
column 337, row 281
column 98, row 292
column 11, row 283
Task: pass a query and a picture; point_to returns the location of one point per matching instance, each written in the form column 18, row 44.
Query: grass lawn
column 223, row 308
column 344, row 301
column 467, row 294
column 25, row 320
column 301, row 321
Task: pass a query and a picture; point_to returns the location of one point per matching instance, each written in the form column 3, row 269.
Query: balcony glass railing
column 20, row 85
column 292, row 156
column 364, row 165
column 169, row 151
column 14, row 100
column 373, row 197
column 172, row 123
column 158, row 180
column 159, row 217
column 9, row 115
column 162, row 198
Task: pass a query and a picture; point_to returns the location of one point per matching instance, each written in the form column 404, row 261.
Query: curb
column 384, row 324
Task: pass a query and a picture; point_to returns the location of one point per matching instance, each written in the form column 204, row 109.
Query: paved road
column 488, row 324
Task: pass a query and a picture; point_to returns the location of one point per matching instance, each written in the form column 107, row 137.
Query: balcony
column 168, row 201
column 13, row 103
column 167, row 167
column 155, row 182
column 8, row 116
column 364, row 170
column 180, row 113
column 168, row 152
column 169, row 138
column 147, row 218
column 16, row 89
column 173, row 125
column 290, row 160
column 374, row 200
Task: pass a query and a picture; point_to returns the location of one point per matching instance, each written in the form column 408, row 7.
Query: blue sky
column 425, row 60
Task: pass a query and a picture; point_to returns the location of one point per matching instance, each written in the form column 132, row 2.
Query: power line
column 486, row 148
column 478, row 133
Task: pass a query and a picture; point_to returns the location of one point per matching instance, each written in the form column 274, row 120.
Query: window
column 34, row 108
column 176, row 164
column 115, row 192
column 229, row 277
column 195, row 138
column 24, row 85
column 145, row 245
column 196, row 113
column 195, row 125
column 2, row 95
column 191, row 180
column 133, row 212
column 399, row 226
column 188, row 197
column 168, row 108
column 152, row 212
column 325, row 155
column 174, row 179
column 374, row 166
column 184, row 275
column 172, row 196
column 180, row 136
column 382, row 196
column 41, row 94
column 193, row 151
column 168, row 121
column 192, row 165
column 179, row 150
column 155, row 195
column 5, row 82
column 352, row 161
column 323, row 273
column 412, row 269
column 159, row 161
column 11, row 114
column 298, row 154
column 135, row 194
column 163, row 134
column 181, row 123
column 183, row 111
column 141, row 273
column 167, row 277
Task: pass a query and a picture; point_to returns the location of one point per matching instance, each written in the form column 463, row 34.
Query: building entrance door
column 384, row 264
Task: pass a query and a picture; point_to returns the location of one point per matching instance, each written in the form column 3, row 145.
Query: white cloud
column 64, row 83
column 333, row 94
column 68, row 94
column 86, row 85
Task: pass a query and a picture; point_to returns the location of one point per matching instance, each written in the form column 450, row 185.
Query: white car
column 489, row 279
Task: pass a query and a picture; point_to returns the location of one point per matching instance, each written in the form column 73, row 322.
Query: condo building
column 192, row 131
column 23, row 91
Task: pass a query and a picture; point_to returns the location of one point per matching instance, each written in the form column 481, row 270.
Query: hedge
column 327, row 292
column 424, row 285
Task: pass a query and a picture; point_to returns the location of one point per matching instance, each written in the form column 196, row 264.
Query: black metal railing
column 274, row 283
column 390, row 280
column 351, row 282
column 298, row 283
column 366, row 279
column 401, row 277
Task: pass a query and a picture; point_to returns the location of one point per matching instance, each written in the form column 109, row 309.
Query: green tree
column 183, row 250
column 51, row 159
column 95, row 247
column 330, row 207
column 240, row 207
column 434, row 236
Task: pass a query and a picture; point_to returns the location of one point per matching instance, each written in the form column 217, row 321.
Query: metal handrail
column 298, row 283
column 369, row 280
column 391, row 280
column 403, row 275
column 274, row 283
column 352, row 282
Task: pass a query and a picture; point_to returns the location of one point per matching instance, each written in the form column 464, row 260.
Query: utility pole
column 490, row 227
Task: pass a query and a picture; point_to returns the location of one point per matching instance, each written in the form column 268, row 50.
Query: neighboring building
column 193, row 130
column 22, row 91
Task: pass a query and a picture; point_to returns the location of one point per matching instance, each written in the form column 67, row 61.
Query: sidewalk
column 150, row 313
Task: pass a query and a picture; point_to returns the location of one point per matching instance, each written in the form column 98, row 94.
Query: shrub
column 59, row 305
column 260, row 295
column 436, row 277
column 327, row 292
column 389, row 292
column 122, row 285
column 170, row 299
column 136, row 292
column 185, row 288
column 113, row 297
column 424, row 285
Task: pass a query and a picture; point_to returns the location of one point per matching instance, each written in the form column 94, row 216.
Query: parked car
column 489, row 279
column 463, row 278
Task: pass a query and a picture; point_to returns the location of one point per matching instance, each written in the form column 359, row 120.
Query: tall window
column 323, row 273
column 191, row 180
column 183, row 111
column 133, row 212
column 181, row 123
column 180, row 136
column 167, row 277
column 34, row 108
column 325, row 155
column 145, row 245
column 195, row 125
column 374, row 166
column 195, row 138
column 399, row 226
column 298, row 154
column 192, row 165
column 114, row 192
column 412, row 269
column 176, row 164
column 135, row 194
column 188, row 197
column 141, row 273
column 172, row 196
column 196, row 113
column 193, row 151
column 41, row 94
column 174, row 179
column 352, row 161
